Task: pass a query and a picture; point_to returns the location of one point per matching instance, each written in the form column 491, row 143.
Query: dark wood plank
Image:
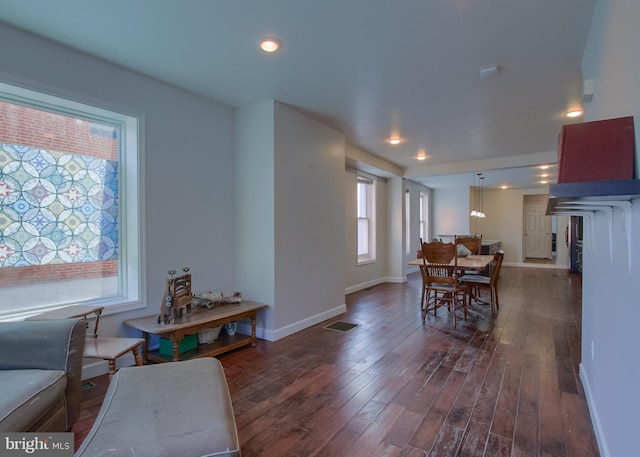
column 498, row 446
column 525, row 438
column 475, row 440
column 497, row 386
column 551, row 423
column 578, row 431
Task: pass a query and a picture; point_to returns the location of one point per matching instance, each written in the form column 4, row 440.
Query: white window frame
column 407, row 219
column 424, row 216
column 366, row 216
column 131, row 269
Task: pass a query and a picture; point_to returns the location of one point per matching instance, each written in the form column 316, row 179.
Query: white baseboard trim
column 535, row 265
column 290, row 329
column 396, row 279
column 364, row 285
column 375, row 282
column 593, row 412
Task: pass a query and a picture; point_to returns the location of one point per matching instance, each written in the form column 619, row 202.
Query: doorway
column 537, row 229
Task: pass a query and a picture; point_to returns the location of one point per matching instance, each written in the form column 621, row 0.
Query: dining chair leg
column 454, row 312
column 465, row 308
column 493, row 302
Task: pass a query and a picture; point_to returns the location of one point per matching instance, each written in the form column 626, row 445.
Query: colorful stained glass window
column 56, row 207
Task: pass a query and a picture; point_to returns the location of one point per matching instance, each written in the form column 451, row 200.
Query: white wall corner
column 396, row 279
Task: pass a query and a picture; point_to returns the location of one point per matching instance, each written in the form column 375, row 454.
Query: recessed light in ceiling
column 574, row 113
column 270, row 45
column 421, row 157
column 544, row 167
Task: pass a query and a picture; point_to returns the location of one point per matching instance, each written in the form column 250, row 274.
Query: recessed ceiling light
column 421, row 157
column 574, row 113
column 544, row 175
column 544, row 167
column 504, row 187
column 543, row 182
column 395, row 140
column 270, row 45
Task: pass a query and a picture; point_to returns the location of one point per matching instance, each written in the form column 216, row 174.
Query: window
column 69, row 204
column 366, row 219
column 424, row 211
column 407, row 220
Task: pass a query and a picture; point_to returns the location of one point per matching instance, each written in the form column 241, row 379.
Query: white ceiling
column 369, row 68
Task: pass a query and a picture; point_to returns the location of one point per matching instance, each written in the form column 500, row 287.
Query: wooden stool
column 103, row 347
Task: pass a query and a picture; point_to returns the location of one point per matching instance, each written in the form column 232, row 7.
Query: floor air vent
column 340, row 326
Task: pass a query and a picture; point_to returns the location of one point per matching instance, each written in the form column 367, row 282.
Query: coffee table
column 191, row 323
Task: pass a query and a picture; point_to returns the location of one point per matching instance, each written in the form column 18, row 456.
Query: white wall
column 396, row 233
column 610, row 305
column 254, row 210
column 290, row 220
column 449, row 211
column 309, row 222
column 188, row 158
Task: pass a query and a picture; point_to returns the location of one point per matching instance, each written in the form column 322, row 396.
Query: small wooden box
column 596, row 151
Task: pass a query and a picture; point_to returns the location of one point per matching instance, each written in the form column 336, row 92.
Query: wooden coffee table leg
column 253, row 329
column 176, row 348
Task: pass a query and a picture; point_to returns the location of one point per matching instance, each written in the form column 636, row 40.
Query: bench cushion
column 180, row 409
column 28, row 396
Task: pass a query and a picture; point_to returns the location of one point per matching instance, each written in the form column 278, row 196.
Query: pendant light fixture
column 474, row 213
column 481, row 214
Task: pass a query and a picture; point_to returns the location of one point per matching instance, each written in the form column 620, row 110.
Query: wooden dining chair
column 484, row 282
column 473, row 243
column 440, row 286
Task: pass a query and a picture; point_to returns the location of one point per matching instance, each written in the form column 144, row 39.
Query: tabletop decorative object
column 177, row 296
column 211, row 298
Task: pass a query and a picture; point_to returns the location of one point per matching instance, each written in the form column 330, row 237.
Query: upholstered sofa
column 40, row 374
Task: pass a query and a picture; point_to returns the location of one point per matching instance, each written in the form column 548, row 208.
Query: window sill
column 365, row 262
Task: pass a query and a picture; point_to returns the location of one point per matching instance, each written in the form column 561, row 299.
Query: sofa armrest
column 47, row 345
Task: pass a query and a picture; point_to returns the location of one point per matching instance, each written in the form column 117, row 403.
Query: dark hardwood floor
column 503, row 386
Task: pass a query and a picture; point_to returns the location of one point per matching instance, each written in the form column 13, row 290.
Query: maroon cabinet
column 596, row 151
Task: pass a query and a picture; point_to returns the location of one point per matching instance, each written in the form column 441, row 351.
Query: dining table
column 470, row 262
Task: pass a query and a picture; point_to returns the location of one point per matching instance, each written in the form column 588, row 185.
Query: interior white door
column 537, row 232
